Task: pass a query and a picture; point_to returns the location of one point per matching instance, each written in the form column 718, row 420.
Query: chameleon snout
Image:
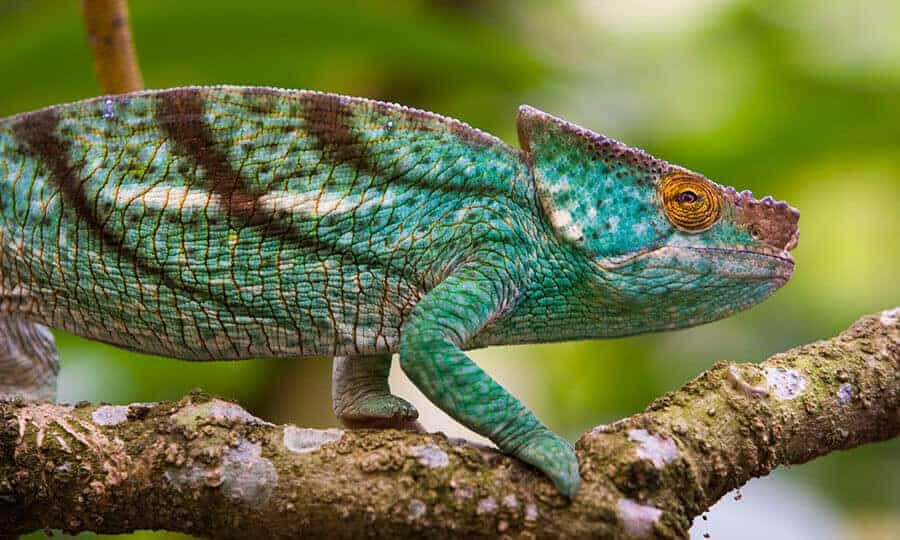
column 774, row 223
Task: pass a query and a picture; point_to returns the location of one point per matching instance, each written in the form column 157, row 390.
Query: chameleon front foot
column 430, row 355
column 361, row 397
column 556, row 458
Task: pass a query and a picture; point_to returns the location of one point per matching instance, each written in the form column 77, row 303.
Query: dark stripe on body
column 328, row 119
column 180, row 115
column 37, row 133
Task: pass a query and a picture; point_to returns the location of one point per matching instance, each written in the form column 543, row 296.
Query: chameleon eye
column 686, row 197
column 692, row 204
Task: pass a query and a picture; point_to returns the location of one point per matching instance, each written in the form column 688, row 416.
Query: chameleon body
column 240, row 222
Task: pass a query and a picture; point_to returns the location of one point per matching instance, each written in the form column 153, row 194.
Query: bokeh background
column 797, row 98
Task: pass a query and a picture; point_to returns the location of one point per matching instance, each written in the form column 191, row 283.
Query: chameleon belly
column 230, row 222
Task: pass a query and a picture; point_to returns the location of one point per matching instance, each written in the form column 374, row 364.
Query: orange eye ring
column 691, row 203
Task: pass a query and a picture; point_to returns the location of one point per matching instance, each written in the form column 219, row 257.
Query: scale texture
column 240, row 222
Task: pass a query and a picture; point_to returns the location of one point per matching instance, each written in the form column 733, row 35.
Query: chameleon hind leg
column 361, row 397
column 28, row 360
column 431, row 357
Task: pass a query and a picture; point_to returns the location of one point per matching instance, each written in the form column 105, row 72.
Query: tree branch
column 109, row 35
column 205, row 466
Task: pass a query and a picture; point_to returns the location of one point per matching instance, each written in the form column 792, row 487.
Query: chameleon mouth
column 783, row 255
column 753, row 263
column 618, row 261
column 758, row 264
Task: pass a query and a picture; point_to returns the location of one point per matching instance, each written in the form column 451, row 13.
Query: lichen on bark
column 205, row 466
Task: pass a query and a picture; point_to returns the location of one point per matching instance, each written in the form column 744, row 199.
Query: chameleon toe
column 361, row 396
column 556, row 458
column 379, row 411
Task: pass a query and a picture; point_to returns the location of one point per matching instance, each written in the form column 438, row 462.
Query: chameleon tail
column 29, row 362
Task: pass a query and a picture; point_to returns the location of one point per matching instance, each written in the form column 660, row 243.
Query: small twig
column 109, row 34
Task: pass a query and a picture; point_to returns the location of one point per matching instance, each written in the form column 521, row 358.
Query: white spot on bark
column 462, row 493
column 511, row 502
column 110, row 415
column 637, row 519
column 217, row 409
column 244, row 475
column 788, row 383
column 889, row 317
column 417, row 509
column 737, row 381
column 845, row 393
column 305, row 440
column 657, row 449
column 531, row 512
column 487, row 506
column 431, row 456
column 247, row 476
column 233, row 411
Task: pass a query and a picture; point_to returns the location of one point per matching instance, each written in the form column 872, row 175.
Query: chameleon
column 212, row 223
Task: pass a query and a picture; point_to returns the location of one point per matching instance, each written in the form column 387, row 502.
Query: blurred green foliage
column 797, row 98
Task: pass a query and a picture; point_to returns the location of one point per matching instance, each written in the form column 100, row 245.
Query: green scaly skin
column 229, row 222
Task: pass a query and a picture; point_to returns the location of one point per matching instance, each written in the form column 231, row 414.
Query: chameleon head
column 665, row 247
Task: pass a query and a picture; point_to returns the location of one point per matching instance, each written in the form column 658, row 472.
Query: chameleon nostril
column 766, row 220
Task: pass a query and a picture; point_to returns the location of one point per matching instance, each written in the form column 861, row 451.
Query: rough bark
column 207, row 467
column 109, row 36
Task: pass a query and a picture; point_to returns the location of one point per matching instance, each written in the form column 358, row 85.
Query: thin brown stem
column 109, row 34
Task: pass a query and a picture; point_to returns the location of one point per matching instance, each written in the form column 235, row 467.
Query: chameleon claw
column 556, row 458
column 361, row 396
column 380, row 412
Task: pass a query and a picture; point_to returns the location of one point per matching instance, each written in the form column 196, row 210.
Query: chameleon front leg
column 431, row 357
column 361, row 397
column 28, row 360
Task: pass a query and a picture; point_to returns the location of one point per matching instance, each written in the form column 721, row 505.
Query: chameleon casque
column 212, row 223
